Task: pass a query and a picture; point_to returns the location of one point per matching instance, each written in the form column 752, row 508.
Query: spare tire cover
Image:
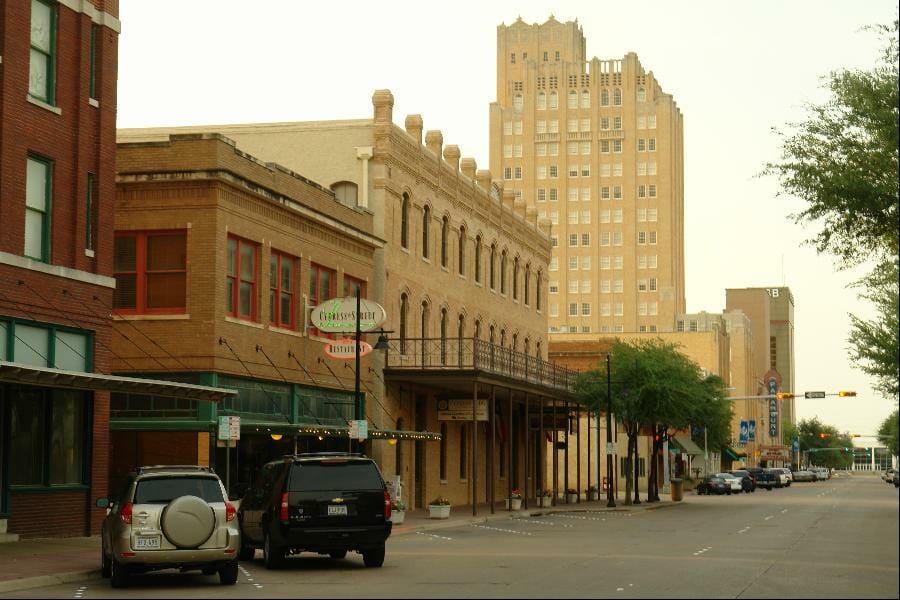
column 188, row 521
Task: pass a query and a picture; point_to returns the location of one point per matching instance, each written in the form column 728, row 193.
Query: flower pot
column 546, row 501
column 398, row 516
column 515, row 503
column 572, row 498
column 594, row 495
column 438, row 511
column 506, row 503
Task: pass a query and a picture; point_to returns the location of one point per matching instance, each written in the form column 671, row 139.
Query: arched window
column 515, row 278
column 461, row 251
column 573, row 99
column 345, row 192
column 518, row 102
column 541, row 101
column 478, row 329
column 604, row 97
column 527, row 348
column 554, row 101
column 503, row 272
column 478, row 259
column 426, row 222
column 585, row 99
column 537, row 290
column 443, row 336
column 404, row 222
column 617, row 97
column 503, row 338
column 445, row 233
column 404, row 316
column 491, row 272
column 641, row 95
column 424, row 322
column 491, row 335
column 515, row 342
column 538, row 349
column 527, row 283
column 460, row 335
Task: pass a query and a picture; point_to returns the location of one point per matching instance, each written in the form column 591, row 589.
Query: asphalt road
column 835, row 539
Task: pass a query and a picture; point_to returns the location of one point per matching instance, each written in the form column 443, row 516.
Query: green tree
column 824, row 446
column 843, row 162
column 887, row 433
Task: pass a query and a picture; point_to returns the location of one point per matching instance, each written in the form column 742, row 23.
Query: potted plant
column 547, row 498
column 593, row 493
column 439, row 508
column 515, row 500
column 571, row 496
column 398, row 512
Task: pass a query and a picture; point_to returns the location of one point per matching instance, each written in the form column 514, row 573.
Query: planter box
column 572, row 498
column 438, row 511
column 398, row 516
column 515, row 503
column 546, row 501
column 593, row 496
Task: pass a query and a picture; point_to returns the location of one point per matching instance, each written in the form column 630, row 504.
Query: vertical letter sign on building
column 773, row 407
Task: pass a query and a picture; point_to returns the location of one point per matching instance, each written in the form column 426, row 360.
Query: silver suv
column 170, row 517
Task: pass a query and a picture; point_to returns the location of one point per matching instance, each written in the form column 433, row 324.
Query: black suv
column 329, row 503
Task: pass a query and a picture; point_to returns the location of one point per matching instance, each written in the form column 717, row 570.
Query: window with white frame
column 541, row 101
column 540, row 149
column 573, row 309
column 573, row 263
column 585, row 99
column 585, row 239
column 573, row 170
column 641, row 95
column 651, row 237
column 605, row 216
column 585, row 170
column 554, row 149
column 641, row 238
column 617, row 192
column 605, row 263
column 517, row 150
column 652, row 284
column 651, row 168
column 518, row 194
column 617, row 170
column 641, row 145
column 642, row 309
column 554, row 287
column 642, row 191
column 572, row 194
column 604, row 309
column 641, row 169
column 553, row 195
column 585, row 217
column 573, row 286
column 554, row 310
column 572, row 101
column 585, row 194
column 507, row 172
column 652, row 214
column 617, row 238
column 651, row 261
column 541, row 195
column 651, row 145
column 540, row 126
column 573, row 240
column 584, row 125
column 518, row 102
column 604, row 123
column 642, row 261
column 604, row 97
column 572, row 148
column 605, row 286
column 554, row 241
column 573, row 217
column 604, row 146
column 604, row 192
column 641, row 215
column 617, row 215
column 554, row 173
column 617, row 97
column 572, row 125
column 642, row 122
column 642, row 285
column 605, row 170
column 585, row 286
column 585, row 148
column 618, row 263
column 652, row 190
column 617, row 123
column 517, row 127
column 618, row 286
column 518, row 172
column 617, row 146
column 618, row 309
column 585, row 309
column 585, row 263
column 604, row 238
column 654, row 309
column 651, row 122
column 507, row 150
column 553, row 125
column 541, row 172
column 618, row 328
column 554, row 264
column 507, row 128
column 554, row 217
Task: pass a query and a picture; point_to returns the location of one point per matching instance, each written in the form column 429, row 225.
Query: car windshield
column 716, row 480
column 336, row 475
column 162, row 490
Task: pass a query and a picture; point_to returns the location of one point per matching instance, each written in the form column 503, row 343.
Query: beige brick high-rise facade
column 596, row 147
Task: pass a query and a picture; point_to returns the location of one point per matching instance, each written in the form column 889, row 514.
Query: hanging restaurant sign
column 345, row 349
column 339, row 315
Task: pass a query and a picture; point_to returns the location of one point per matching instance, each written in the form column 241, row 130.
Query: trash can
column 677, row 489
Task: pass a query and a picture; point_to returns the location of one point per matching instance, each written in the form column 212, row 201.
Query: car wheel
column 374, row 557
column 338, row 554
column 105, row 564
column 728, row 492
column 246, row 553
column 229, row 573
column 273, row 556
column 118, row 574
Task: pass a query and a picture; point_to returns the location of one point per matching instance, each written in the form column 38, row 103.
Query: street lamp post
column 610, row 500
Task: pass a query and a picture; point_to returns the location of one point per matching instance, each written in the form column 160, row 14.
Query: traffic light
column 846, row 394
column 784, row 396
column 823, row 435
column 855, row 435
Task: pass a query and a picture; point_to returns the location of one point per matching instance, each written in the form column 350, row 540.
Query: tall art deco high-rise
column 596, row 147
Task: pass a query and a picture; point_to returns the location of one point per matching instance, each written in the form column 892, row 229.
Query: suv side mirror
column 104, row 503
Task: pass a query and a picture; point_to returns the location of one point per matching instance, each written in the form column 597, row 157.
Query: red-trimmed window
column 150, row 268
column 242, row 277
column 281, row 290
column 351, row 284
column 322, row 284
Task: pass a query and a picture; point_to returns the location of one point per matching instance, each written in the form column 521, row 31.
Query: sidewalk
column 35, row 563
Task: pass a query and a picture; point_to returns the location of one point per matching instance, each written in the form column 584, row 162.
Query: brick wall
column 51, row 514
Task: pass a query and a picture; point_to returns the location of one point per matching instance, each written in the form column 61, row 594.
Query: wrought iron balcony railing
column 472, row 353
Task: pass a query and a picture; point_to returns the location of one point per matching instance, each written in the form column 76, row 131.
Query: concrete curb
column 27, row 583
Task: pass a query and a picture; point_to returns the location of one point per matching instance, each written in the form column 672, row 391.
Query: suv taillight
column 125, row 514
column 387, row 505
column 284, row 508
column 230, row 513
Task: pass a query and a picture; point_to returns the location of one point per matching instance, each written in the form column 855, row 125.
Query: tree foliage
column 875, row 344
column 887, row 433
column 824, row 446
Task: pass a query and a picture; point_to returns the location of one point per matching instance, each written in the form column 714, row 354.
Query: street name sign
column 359, row 429
column 814, row 395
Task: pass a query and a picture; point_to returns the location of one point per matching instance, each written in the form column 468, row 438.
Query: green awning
column 732, row 454
column 687, row 445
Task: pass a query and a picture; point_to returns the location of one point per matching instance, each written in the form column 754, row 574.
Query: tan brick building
column 463, row 277
column 596, row 147
column 217, row 257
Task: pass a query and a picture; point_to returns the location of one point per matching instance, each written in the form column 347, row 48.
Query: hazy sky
column 736, row 70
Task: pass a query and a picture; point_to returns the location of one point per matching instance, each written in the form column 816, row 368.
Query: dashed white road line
column 579, row 517
column 769, row 517
column 745, row 529
column 79, row 593
column 538, row 522
column 432, row 535
column 699, row 552
column 784, row 511
column 500, row 529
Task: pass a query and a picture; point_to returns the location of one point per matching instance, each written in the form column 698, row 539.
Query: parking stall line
column 433, row 536
column 501, row 529
column 538, row 522
column 745, row 529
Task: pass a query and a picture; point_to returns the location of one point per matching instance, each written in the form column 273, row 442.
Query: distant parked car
column 804, row 475
column 748, row 481
column 731, row 480
column 767, row 479
column 781, row 479
column 713, row 485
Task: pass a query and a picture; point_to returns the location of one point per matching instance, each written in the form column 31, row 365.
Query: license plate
column 146, row 542
column 337, row 510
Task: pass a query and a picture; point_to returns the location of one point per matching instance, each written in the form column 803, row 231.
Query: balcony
column 479, row 360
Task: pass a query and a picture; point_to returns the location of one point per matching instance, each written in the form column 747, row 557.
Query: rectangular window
column 573, row 240
column 651, row 261
column 604, row 123
column 554, row 264
column 585, row 239
column 90, row 208
column 641, row 215
column 652, row 190
column 585, row 124
column 540, row 127
column 651, row 145
column 42, row 65
column 652, row 284
column 641, row 145
column 585, row 217
column 642, row 237
column 642, row 191
column 554, row 149
column 642, row 261
column 585, row 309
column 618, row 263
column 572, row 194
column 617, row 215
column 604, row 238
column 585, row 170
column 241, row 280
column 554, row 217
column 95, row 57
column 507, row 150
column 573, row 217
column 617, row 192
column 653, row 310
column 618, row 309
column 651, row 168
column 554, row 241
column 554, row 312
column 541, row 195
column 642, row 123
column 38, row 200
column 554, row 126
column 573, row 170
column 573, row 286
column 281, row 290
column 572, row 148
column 554, row 172
column 641, row 168
column 642, row 285
column 322, row 284
column 585, row 286
column 617, row 146
column 618, row 286
column 517, row 149
column 507, row 173
column 573, row 309
column 617, row 238
column 507, row 128
column 585, row 148
column 604, row 263
column 605, row 170
column 651, row 237
column 652, row 214
column 150, row 269
column 518, row 131
column 604, row 146
column 642, row 309
column 554, row 287
column 604, row 193
column 573, row 263
column 540, row 149
column 605, row 309
column 605, row 286
column 553, row 195
column 617, row 123
column 541, row 172
column 572, row 125
column 651, row 122
column 617, row 170
column 585, row 194
column 585, row 263
column 518, row 172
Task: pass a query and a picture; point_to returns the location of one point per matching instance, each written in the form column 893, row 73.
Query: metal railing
column 471, row 353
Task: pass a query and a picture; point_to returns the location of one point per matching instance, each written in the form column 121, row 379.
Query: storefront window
column 26, row 429
column 67, row 437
